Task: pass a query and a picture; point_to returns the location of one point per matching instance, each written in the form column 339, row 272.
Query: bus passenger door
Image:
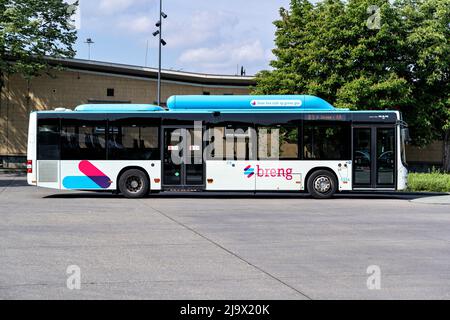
column 182, row 158
column 374, row 165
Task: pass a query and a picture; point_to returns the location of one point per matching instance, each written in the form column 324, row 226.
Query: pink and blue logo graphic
column 93, row 179
column 249, row 171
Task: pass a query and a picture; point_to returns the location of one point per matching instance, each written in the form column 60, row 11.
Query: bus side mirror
column 406, row 136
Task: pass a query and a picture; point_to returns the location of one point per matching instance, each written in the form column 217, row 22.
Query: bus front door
column 374, row 164
column 183, row 163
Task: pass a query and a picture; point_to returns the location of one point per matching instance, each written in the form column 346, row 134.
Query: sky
column 205, row 36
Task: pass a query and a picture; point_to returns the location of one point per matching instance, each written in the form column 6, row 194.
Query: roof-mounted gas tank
column 274, row 102
column 118, row 108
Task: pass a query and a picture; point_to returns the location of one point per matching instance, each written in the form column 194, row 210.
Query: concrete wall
column 71, row 88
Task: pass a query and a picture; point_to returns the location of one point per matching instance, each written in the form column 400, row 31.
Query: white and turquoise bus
column 294, row 143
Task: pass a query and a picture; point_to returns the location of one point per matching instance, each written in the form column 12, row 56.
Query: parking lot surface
column 221, row 246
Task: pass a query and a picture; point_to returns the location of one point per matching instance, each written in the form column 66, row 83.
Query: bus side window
column 129, row 141
column 215, row 149
column 278, row 142
column 240, row 143
column 231, row 142
column 83, row 140
column 326, row 141
column 48, row 140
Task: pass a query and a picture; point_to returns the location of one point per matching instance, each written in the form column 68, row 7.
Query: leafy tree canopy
column 403, row 63
column 31, row 30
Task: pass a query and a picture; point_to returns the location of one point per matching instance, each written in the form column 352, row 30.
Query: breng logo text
column 268, row 172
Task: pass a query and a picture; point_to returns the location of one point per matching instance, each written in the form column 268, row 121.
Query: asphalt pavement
column 221, row 246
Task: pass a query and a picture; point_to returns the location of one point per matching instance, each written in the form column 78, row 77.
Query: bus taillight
column 29, row 166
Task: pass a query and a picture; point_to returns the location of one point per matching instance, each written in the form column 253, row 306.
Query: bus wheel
column 322, row 184
column 134, row 183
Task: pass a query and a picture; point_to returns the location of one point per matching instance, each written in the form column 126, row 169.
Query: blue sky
column 206, row 36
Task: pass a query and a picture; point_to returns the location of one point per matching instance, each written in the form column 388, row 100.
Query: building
column 84, row 81
column 426, row 158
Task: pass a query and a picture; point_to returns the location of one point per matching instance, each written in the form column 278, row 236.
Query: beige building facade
column 83, row 82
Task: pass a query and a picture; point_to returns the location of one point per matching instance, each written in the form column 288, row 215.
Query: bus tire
column 134, row 184
column 322, row 184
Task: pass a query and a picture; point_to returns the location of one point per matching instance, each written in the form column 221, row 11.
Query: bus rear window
column 48, row 140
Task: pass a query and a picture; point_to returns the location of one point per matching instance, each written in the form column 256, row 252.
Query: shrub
column 431, row 182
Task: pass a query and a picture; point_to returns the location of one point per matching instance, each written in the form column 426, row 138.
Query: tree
column 335, row 50
column 427, row 25
column 31, row 30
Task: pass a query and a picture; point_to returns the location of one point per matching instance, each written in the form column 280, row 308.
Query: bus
column 280, row 143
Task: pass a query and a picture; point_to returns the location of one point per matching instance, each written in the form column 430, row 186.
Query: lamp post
column 89, row 42
column 158, row 33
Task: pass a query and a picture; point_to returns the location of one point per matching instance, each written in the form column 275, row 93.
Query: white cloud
column 181, row 32
column 200, row 27
column 115, row 6
column 224, row 57
column 140, row 24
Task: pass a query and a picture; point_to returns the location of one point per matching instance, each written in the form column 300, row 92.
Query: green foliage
column 327, row 49
column 430, row 182
column 31, row 30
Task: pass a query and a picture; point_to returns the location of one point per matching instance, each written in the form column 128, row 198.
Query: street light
column 89, row 42
column 161, row 43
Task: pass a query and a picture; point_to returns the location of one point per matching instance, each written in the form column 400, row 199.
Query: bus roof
column 225, row 104
column 202, row 103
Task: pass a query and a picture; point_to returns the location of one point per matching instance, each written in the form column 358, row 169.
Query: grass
column 430, row 182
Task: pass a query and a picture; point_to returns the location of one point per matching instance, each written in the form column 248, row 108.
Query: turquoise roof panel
column 248, row 103
column 117, row 108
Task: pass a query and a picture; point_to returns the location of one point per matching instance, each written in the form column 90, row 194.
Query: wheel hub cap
column 322, row 184
column 134, row 184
